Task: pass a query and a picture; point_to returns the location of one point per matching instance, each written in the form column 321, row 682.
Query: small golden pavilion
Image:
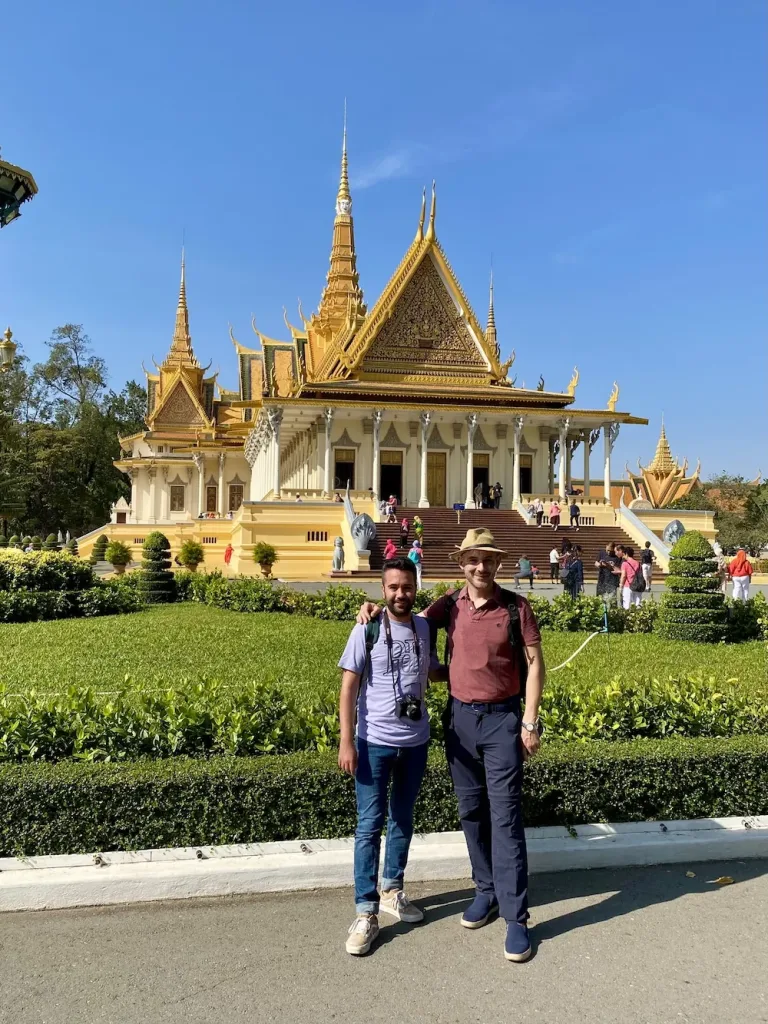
column 410, row 397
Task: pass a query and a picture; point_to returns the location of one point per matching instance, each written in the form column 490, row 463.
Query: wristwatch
column 531, row 726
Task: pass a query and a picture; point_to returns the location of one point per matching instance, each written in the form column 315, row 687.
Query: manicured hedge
column 44, row 571
column 83, row 807
column 100, row 599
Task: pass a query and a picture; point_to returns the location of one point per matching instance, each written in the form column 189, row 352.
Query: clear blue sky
column 610, row 156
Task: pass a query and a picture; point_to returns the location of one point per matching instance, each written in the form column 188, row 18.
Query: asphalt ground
column 634, row 946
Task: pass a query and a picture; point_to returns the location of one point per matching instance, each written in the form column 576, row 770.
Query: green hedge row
column 43, row 572
column 100, row 599
column 80, row 808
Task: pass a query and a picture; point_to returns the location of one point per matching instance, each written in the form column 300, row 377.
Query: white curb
column 43, row 883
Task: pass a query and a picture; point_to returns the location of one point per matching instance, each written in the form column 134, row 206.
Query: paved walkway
column 642, row 946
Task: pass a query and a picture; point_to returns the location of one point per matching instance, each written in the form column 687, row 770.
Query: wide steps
column 444, row 529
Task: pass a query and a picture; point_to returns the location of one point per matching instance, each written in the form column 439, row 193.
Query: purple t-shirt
column 405, row 676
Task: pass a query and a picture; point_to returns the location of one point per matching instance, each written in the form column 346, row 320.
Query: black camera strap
column 388, row 636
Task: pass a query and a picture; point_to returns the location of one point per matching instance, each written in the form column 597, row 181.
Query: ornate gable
column 179, row 410
column 425, row 331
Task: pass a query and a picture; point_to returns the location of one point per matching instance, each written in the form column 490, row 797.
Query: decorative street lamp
column 16, row 187
column 7, row 350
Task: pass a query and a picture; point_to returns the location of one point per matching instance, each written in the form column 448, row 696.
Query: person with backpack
column 416, row 556
column 572, row 573
column 647, row 558
column 574, row 511
column 496, row 666
column 384, row 739
column 631, row 582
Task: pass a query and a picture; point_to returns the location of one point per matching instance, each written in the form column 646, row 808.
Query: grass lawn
column 174, row 643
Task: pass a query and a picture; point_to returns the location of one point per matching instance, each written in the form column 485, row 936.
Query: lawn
column 190, row 642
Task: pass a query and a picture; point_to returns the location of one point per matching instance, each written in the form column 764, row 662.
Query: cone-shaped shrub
column 693, row 607
column 72, row 548
column 157, row 584
column 37, row 543
column 13, row 541
column 99, row 549
column 51, row 544
column 3, row 541
column 26, row 542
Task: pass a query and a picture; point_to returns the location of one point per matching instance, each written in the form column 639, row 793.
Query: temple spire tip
column 432, row 211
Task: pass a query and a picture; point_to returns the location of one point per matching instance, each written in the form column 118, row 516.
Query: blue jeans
column 484, row 750
column 376, row 764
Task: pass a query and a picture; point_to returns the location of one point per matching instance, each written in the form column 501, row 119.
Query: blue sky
column 609, row 158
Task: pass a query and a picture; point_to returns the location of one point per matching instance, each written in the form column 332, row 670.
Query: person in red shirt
column 740, row 571
column 487, row 734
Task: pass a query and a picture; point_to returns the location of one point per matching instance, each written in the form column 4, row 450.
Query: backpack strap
column 511, row 603
column 372, row 633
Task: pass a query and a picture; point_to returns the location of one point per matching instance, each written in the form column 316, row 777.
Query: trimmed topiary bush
column 72, row 548
column 3, row 541
column 693, row 607
column 26, row 542
column 191, row 554
column 51, row 543
column 157, row 585
column 99, row 549
column 37, row 543
column 13, row 541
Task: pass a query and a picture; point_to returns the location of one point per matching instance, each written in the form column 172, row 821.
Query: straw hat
column 477, row 540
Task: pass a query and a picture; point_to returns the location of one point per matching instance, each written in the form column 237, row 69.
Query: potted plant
column 266, row 556
column 191, row 555
column 119, row 555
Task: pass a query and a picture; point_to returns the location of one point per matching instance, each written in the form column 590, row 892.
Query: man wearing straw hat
column 494, row 647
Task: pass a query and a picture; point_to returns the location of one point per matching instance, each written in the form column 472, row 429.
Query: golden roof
column 663, row 461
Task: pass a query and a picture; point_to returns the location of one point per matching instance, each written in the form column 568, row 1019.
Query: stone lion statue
column 338, row 554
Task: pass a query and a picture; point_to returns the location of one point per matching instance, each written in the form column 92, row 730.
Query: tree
column 76, row 377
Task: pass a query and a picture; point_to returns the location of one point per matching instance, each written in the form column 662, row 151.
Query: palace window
column 210, row 498
column 177, row 497
column 235, row 497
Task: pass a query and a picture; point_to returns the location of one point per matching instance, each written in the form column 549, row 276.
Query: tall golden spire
column 420, row 229
column 663, row 461
column 341, row 304
column 181, row 345
column 490, row 327
column 433, row 209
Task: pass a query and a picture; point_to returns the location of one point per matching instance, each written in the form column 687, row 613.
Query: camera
column 410, row 708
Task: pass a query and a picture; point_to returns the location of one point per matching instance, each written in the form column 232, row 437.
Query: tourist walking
column 494, row 646
column 384, row 739
column 554, row 565
column 524, row 571
column 390, row 550
column 404, row 528
column 647, row 558
column 608, row 566
column 574, row 512
column 478, row 495
column 631, row 582
column 740, row 571
column 418, row 528
column 572, row 573
column 498, row 491
column 538, row 511
column 416, row 556
column 554, row 515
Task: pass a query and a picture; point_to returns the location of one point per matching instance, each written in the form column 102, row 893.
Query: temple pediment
column 179, row 409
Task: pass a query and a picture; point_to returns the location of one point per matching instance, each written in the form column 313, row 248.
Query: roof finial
column 490, row 327
column 420, row 229
column 432, row 211
column 182, row 342
column 344, row 197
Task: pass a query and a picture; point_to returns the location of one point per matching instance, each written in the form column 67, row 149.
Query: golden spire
column 420, row 229
column 181, row 346
column 433, row 209
column 490, row 327
column 663, row 462
column 342, row 300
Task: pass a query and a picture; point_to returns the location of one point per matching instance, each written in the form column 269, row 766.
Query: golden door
column 436, row 478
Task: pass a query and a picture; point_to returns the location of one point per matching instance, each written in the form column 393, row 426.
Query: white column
column 610, row 433
column 585, row 442
column 378, row 415
column 220, row 487
column 134, row 517
column 275, row 419
column 551, row 466
column 472, row 421
column 199, row 462
column 561, row 482
column 165, row 503
column 568, row 466
column 328, row 484
column 152, row 517
column 426, row 419
column 519, row 423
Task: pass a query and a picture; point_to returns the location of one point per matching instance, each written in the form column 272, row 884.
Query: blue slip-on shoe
column 517, row 946
column 480, row 911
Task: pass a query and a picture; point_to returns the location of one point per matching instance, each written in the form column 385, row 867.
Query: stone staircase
column 444, row 529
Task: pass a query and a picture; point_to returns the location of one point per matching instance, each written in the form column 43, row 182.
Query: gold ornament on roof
column 663, row 480
column 573, row 382
column 613, row 398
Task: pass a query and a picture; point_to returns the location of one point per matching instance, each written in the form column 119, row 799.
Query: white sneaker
column 396, row 903
column 362, row 934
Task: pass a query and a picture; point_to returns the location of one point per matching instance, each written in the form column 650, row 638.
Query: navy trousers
column 484, row 750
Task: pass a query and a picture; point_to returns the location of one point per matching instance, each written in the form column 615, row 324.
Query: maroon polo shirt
column 483, row 662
